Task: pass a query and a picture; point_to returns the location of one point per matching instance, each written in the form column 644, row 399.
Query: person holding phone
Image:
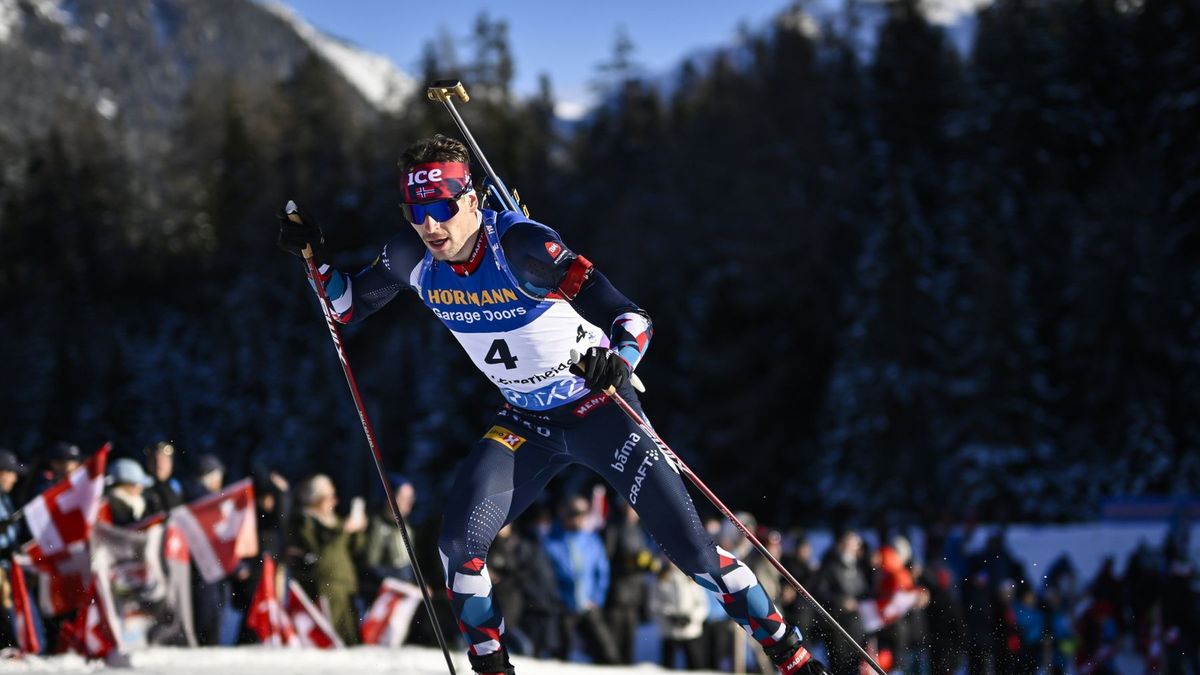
column 322, row 549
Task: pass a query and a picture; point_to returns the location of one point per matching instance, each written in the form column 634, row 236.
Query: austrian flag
column 220, row 529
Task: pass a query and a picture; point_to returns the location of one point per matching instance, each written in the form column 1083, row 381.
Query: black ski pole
column 444, row 91
column 336, row 334
column 729, row 515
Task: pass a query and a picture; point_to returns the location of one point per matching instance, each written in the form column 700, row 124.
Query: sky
column 565, row 39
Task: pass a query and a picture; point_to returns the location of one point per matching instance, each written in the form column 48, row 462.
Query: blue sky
column 565, row 39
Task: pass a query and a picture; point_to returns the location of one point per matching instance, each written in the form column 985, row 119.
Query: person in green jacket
column 322, row 549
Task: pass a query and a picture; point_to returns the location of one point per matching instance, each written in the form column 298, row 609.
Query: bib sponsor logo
column 498, row 296
column 553, row 248
column 505, row 437
column 533, row 379
column 552, row 395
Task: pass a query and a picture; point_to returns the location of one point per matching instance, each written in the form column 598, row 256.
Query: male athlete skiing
column 519, row 301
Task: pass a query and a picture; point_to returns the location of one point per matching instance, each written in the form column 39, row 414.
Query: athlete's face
column 453, row 239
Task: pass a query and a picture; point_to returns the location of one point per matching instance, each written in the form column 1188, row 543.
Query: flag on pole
column 179, row 583
column 94, row 633
column 312, row 627
column 60, row 520
column 27, row 639
column 391, row 614
column 220, row 529
column 266, row 616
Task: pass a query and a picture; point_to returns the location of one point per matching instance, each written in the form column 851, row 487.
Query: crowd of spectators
column 581, row 580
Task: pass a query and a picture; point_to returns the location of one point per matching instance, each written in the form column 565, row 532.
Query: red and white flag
column 220, row 529
column 391, row 614
column 27, row 640
column 876, row 614
column 266, row 616
column 312, row 627
column 93, row 634
column 60, row 520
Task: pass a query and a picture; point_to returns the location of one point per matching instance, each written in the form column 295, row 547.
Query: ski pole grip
column 443, row 90
column 633, row 378
column 307, row 251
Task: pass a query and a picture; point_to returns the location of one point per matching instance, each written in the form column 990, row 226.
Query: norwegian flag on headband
column 435, row 180
column 27, row 639
column 312, row 627
column 387, row 621
column 220, row 529
column 60, row 520
column 266, row 616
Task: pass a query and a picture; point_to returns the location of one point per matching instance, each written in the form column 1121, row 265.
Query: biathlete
column 519, row 301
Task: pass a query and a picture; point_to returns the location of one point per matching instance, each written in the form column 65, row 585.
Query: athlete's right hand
column 295, row 236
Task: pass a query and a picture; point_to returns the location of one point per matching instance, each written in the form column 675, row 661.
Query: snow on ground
column 265, row 661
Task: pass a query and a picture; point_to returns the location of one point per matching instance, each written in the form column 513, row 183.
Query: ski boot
column 790, row 656
column 495, row 663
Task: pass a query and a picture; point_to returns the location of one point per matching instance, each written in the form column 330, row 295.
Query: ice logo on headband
column 435, row 180
column 423, row 176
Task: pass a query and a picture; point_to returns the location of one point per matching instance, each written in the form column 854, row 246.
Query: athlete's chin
column 440, row 250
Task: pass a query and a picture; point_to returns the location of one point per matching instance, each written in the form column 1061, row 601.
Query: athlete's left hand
column 603, row 368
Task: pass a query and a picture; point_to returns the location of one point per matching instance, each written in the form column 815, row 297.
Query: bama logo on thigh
column 621, row 462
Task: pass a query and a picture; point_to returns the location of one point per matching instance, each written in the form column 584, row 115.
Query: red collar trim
column 462, row 269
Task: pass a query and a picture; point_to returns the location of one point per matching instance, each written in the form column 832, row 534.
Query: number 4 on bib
column 499, row 353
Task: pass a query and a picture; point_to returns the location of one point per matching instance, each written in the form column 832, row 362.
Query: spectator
column 271, row 502
column 1143, row 590
column 1005, row 635
column 582, row 571
column 208, row 599
column 839, row 585
column 680, row 606
column 772, row 584
column 63, row 458
column 898, row 594
column 505, row 566
column 10, row 470
column 1180, row 607
column 208, row 477
column 632, row 562
column 1032, row 631
column 167, row 492
column 270, row 492
column 799, row 563
column 385, row 554
column 944, row 615
column 543, row 608
column 322, row 548
column 127, row 502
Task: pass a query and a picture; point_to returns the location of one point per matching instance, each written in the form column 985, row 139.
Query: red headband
column 435, row 180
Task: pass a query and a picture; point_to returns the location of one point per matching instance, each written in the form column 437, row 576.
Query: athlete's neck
column 472, row 248
column 463, row 267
